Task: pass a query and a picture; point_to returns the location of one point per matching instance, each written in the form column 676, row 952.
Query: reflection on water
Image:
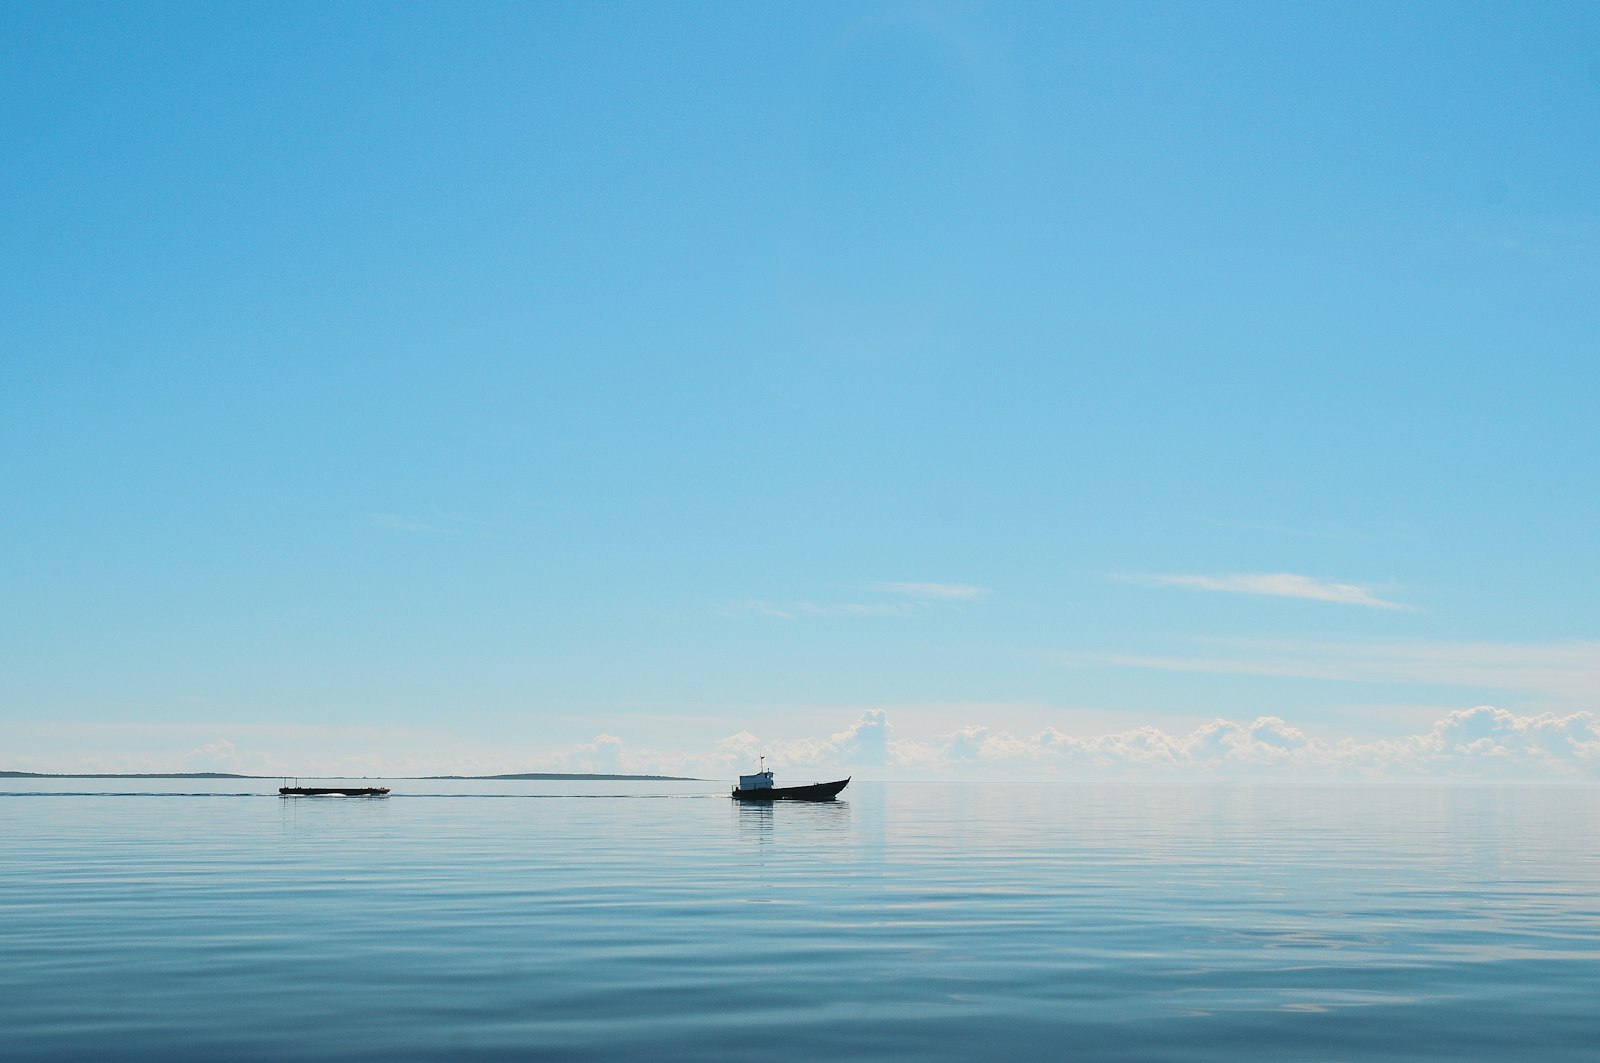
column 912, row 921
column 807, row 815
column 755, row 817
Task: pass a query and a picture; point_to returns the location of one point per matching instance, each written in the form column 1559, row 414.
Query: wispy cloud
column 1277, row 585
column 939, row 591
column 1567, row 671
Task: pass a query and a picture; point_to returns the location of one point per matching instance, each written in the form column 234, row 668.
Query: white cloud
column 604, row 755
column 1484, row 742
column 866, row 743
column 220, row 755
column 1490, row 732
column 1279, row 585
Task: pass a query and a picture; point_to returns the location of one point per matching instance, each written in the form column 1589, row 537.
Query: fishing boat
column 332, row 791
column 758, row 787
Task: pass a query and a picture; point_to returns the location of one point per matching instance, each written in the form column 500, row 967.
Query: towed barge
column 332, row 791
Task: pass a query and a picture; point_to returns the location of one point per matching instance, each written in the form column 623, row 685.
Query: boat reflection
column 761, row 819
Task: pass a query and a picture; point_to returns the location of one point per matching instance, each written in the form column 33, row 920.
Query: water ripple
column 914, row 922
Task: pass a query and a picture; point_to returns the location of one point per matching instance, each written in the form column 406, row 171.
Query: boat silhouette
column 758, row 787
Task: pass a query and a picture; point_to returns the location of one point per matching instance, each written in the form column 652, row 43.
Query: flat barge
column 333, row 791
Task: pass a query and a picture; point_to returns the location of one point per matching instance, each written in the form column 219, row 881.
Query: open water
column 170, row 919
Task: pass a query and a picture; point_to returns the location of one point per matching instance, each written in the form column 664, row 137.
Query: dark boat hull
column 821, row 791
column 333, row 791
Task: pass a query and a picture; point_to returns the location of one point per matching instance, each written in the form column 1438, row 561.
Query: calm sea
column 638, row 921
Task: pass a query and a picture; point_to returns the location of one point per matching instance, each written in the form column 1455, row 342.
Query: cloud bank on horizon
column 1478, row 743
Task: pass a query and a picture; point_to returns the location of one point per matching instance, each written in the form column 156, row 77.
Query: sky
column 919, row 390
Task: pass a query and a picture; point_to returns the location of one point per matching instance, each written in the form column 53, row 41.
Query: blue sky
column 429, row 387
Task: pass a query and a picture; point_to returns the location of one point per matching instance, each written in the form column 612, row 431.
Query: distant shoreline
column 567, row 775
column 530, row 775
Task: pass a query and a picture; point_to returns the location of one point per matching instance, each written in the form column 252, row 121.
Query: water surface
column 161, row 919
